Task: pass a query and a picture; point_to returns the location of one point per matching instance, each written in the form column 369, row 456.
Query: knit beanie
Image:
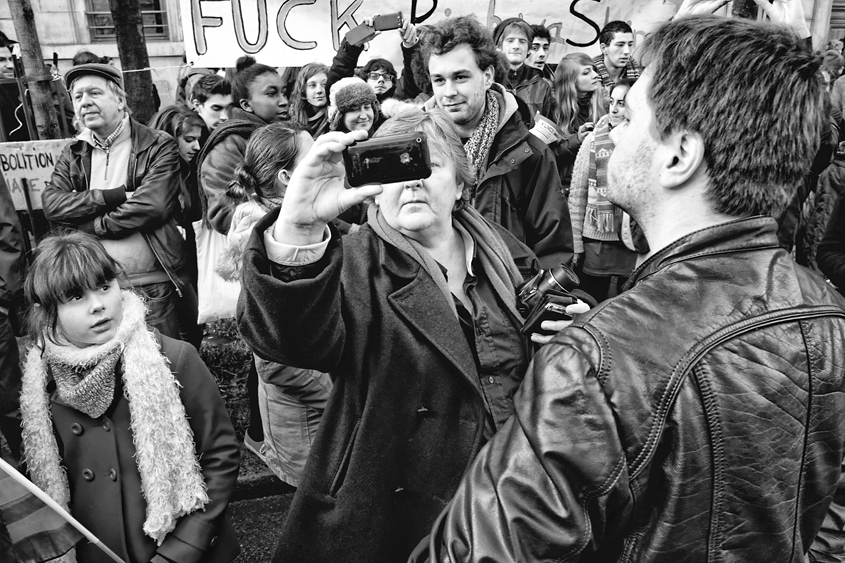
column 347, row 94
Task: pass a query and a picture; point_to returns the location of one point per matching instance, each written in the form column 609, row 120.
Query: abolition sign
column 296, row 32
column 28, row 166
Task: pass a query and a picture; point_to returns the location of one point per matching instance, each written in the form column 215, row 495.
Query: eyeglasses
column 377, row 75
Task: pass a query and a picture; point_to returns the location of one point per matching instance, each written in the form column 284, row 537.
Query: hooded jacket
column 519, row 188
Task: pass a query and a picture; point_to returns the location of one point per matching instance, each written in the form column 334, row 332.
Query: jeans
column 160, row 299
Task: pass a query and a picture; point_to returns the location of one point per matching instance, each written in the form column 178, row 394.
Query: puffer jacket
column 699, row 416
column 153, row 208
column 520, row 187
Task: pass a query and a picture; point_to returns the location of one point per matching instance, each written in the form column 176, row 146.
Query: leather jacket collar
column 737, row 235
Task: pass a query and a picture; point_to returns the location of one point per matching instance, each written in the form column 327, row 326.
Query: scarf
column 601, row 216
column 496, row 260
column 106, row 145
column 479, row 143
column 87, row 386
column 171, row 478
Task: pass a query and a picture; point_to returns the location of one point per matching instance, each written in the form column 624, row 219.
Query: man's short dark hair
column 462, row 30
column 761, row 131
column 612, row 28
column 541, row 32
column 511, row 24
column 209, row 85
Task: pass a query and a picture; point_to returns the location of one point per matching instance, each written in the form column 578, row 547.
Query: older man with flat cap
column 120, row 181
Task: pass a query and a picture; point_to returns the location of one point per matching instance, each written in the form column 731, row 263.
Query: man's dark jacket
column 698, row 416
column 520, row 187
column 406, row 415
column 152, row 208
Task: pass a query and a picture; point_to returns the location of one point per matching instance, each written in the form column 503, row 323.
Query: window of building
column 101, row 25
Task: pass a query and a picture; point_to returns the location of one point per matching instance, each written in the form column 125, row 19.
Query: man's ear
column 195, row 105
column 681, row 157
column 489, row 76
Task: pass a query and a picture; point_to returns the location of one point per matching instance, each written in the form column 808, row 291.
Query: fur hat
column 347, row 94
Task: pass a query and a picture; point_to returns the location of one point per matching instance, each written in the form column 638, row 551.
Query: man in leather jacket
column 700, row 415
column 119, row 180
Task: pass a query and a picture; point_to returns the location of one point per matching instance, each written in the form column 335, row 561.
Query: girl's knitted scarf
column 171, row 478
column 478, row 145
column 600, row 219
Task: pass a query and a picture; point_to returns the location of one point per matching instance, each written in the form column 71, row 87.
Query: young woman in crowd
column 186, row 127
column 603, row 261
column 258, row 99
column 123, row 426
column 353, row 106
column 291, row 400
column 406, row 345
column 309, row 99
column 580, row 103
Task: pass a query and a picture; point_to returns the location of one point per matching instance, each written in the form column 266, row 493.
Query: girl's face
column 315, row 90
column 587, row 79
column 617, row 105
column 266, row 99
column 361, row 117
column 91, row 317
column 189, row 143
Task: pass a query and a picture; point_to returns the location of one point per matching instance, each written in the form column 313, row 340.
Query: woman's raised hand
column 316, row 193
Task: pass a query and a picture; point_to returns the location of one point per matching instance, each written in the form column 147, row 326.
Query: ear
column 680, row 158
column 603, row 48
column 283, row 178
column 489, row 76
column 195, row 105
column 246, row 106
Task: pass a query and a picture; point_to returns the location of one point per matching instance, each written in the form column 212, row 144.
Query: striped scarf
column 478, row 145
column 600, row 219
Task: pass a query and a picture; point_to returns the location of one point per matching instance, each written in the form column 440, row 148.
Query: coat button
column 527, row 150
column 76, row 428
column 113, row 474
column 490, row 379
column 513, row 160
column 213, row 541
column 87, row 474
column 107, row 425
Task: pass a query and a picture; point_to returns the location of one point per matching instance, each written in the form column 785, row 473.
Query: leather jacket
column 698, row 416
column 153, row 180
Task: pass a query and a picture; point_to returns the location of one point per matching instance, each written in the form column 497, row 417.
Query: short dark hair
column 761, row 131
column 87, row 57
column 65, row 265
column 509, row 24
column 541, row 32
column 209, row 85
column 450, row 33
column 612, row 28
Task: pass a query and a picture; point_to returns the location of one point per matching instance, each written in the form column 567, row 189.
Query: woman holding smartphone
column 413, row 316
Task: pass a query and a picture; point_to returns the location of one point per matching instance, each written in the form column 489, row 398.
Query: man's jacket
column 699, row 416
column 148, row 203
column 519, row 188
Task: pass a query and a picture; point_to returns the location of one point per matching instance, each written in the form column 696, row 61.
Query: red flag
column 36, row 532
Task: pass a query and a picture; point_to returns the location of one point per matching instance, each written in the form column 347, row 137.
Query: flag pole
column 45, row 498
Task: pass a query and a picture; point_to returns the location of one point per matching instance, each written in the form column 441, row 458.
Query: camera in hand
column 394, row 158
column 546, row 296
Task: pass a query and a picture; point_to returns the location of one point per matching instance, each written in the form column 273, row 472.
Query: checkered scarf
column 478, row 145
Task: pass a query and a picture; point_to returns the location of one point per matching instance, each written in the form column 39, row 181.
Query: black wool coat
column 406, row 415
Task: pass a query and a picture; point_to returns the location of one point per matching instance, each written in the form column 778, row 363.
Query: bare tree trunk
column 40, row 93
column 128, row 27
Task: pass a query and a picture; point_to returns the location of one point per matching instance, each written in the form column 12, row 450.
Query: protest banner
column 296, row 32
column 29, row 165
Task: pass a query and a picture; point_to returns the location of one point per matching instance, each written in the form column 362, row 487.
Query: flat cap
column 108, row 72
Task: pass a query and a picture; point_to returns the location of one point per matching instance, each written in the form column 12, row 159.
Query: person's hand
column 584, row 130
column 558, row 326
column 786, row 12
column 409, row 34
column 699, row 7
column 316, row 193
column 369, row 22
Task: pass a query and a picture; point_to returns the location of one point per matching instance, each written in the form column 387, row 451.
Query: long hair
column 175, row 120
column 65, row 266
column 270, row 149
column 566, row 76
column 298, row 103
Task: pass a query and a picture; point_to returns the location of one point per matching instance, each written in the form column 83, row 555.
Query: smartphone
column 394, row 158
column 387, row 21
column 360, row 34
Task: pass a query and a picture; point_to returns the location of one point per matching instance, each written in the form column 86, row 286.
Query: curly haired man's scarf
column 478, row 145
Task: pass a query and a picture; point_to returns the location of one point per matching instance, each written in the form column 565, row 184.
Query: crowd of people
column 689, row 407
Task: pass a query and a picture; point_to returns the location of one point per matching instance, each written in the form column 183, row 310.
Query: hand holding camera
column 549, row 300
column 372, row 27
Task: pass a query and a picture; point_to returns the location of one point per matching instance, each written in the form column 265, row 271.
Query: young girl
column 580, row 103
column 121, row 425
column 291, row 400
column 603, row 261
column 309, row 99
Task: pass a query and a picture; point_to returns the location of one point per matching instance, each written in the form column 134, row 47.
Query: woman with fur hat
column 122, row 425
column 353, row 106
